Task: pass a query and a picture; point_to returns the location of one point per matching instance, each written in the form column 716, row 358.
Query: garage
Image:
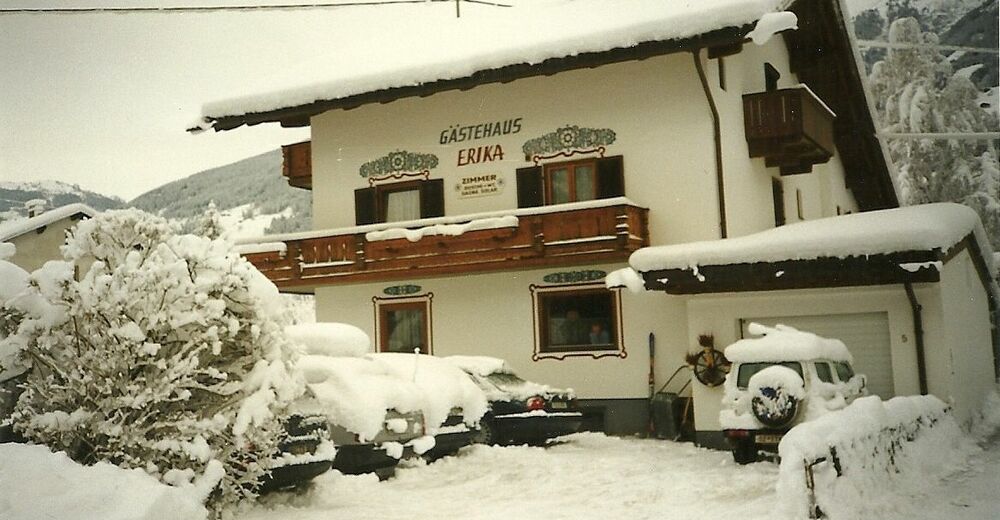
column 865, row 334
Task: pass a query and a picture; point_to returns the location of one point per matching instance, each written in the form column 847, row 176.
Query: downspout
column 717, row 134
column 918, row 333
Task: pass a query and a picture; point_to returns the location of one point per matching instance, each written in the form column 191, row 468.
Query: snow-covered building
column 39, row 236
column 474, row 197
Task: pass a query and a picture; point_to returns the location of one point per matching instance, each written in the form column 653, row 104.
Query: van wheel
column 485, row 434
column 745, row 451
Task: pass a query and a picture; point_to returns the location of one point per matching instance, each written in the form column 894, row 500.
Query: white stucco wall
column 492, row 314
column 34, row 249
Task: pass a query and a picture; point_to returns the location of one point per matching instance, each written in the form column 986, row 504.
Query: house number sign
column 574, row 276
column 401, row 290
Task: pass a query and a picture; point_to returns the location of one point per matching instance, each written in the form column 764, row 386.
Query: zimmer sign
column 484, row 185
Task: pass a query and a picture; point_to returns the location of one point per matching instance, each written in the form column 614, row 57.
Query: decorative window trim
column 568, row 141
column 427, row 299
column 397, row 165
column 619, row 333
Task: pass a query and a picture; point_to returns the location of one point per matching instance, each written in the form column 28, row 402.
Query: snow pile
column 330, row 339
column 625, row 277
column 444, row 386
column 16, row 228
column 7, row 250
column 480, row 365
column 784, row 343
column 440, row 48
column 878, row 448
column 356, row 393
column 771, row 24
column 987, row 422
column 454, row 230
column 36, row 483
column 915, row 228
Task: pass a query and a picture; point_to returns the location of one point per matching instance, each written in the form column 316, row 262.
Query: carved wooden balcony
column 568, row 234
column 297, row 164
column 791, row 128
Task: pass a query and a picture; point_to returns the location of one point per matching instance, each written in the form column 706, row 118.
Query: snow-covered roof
column 369, row 52
column 783, row 343
column 16, row 228
column 925, row 227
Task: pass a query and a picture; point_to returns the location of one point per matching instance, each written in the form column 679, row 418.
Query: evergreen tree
column 166, row 355
column 209, row 225
column 916, row 91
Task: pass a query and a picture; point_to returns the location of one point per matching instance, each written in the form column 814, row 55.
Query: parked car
column 305, row 452
column 521, row 412
column 373, row 416
column 9, row 392
column 453, row 406
column 780, row 379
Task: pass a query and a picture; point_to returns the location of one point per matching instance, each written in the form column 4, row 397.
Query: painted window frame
column 571, row 167
column 539, row 293
column 381, row 305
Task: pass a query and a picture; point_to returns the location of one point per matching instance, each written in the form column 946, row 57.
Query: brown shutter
column 778, row 194
column 364, row 206
column 529, row 187
column 432, row 198
column 610, row 177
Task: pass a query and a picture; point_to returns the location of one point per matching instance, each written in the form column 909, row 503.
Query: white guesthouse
column 474, row 202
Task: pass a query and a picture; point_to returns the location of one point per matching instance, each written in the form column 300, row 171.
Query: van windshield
column 747, row 370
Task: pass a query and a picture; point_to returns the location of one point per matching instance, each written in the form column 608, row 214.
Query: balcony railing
column 568, row 234
column 791, row 128
column 297, row 164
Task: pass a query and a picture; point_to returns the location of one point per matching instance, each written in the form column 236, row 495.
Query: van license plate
column 559, row 406
column 769, row 439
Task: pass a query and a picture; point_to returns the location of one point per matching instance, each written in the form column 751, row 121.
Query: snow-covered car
column 453, row 403
column 781, row 378
column 521, row 412
column 374, row 417
column 9, row 391
column 305, row 452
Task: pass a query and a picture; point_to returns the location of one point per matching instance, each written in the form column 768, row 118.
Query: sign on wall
column 479, row 186
column 575, row 276
column 401, row 290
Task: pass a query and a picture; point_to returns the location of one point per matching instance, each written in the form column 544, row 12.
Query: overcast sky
column 103, row 100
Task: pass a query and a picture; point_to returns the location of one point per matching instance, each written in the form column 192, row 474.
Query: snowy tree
column 167, row 355
column 209, row 225
column 916, row 91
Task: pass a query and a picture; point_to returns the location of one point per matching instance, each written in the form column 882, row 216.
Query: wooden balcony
column 791, row 128
column 564, row 235
column 297, row 164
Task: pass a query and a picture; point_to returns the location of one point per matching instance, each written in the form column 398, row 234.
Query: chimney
column 35, row 207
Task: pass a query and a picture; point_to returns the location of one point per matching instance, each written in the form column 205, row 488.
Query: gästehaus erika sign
column 483, row 185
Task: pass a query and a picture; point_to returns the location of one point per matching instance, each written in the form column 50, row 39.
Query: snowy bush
column 166, row 355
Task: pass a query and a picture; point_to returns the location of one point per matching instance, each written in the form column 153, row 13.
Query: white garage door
column 866, row 335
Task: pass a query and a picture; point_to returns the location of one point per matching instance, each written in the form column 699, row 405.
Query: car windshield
column 504, row 381
column 747, row 370
column 844, row 371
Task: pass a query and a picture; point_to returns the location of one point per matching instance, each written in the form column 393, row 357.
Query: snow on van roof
column 444, row 385
column 15, row 228
column 330, row 339
column 915, row 228
column 373, row 49
column 480, row 365
column 784, row 343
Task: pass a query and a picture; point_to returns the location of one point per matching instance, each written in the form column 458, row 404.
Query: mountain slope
column 14, row 194
column 252, row 189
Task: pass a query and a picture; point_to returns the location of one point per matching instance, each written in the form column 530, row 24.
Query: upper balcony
column 791, row 128
column 297, row 164
column 599, row 231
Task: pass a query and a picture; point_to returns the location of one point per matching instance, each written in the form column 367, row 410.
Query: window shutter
column 529, row 187
column 432, row 198
column 778, row 194
column 364, row 206
column 610, row 177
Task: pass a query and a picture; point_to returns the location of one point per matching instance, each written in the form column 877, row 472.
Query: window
column 844, row 371
column 400, row 201
column 824, row 373
column 574, row 320
column 404, row 326
column 570, row 181
column 748, row 370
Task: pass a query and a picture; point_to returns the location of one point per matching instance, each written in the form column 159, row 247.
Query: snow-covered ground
column 594, row 476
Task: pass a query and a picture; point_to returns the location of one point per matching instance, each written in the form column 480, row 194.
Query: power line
column 929, row 46
column 218, row 8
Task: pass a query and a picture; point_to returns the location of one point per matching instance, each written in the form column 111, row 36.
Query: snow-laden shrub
column 166, row 355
